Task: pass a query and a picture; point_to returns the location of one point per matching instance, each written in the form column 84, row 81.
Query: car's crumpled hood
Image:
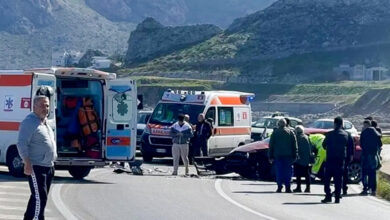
column 255, row 146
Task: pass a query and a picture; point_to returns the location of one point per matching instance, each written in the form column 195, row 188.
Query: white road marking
column 11, row 217
column 12, row 200
column 59, row 204
column 18, row 217
column 12, row 208
column 19, row 208
column 15, row 194
column 14, row 187
column 218, row 187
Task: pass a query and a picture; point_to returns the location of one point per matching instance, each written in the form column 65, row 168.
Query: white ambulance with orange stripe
column 112, row 101
column 229, row 110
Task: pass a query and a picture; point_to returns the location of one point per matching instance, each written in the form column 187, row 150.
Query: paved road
column 157, row 195
column 14, row 195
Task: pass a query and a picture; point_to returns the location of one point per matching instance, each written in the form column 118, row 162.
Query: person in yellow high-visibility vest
column 316, row 140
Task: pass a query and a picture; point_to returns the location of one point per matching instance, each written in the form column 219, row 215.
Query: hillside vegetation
column 73, row 26
column 31, row 30
column 292, row 41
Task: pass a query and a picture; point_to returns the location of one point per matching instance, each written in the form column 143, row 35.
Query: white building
column 66, row 58
column 361, row 72
column 59, row 58
column 100, row 62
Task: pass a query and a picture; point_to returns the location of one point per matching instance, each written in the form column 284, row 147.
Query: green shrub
column 386, row 140
column 383, row 187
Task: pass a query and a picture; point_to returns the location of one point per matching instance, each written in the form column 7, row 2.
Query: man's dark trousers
column 201, row 145
column 345, row 177
column 333, row 168
column 284, row 171
column 369, row 172
column 39, row 181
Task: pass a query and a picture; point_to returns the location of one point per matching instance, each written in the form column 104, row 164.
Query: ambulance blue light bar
column 251, row 98
column 247, row 98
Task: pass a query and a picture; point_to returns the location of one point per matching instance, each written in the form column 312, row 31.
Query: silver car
column 264, row 127
column 328, row 124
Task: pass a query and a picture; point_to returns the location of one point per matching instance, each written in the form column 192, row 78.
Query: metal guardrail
column 386, row 133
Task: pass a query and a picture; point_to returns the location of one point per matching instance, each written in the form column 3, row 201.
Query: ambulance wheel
column 79, row 172
column 15, row 163
column 147, row 157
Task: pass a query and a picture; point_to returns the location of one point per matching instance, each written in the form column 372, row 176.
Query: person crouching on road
column 370, row 142
column 283, row 152
column 181, row 132
column 37, row 148
column 337, row 145
column 302, row 165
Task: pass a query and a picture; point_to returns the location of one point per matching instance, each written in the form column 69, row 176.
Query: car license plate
column 161, row 151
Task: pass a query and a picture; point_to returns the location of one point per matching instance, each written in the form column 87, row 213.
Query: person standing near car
column 203, row 132
column 336, row 145
column 181, row 132
column 377, row 128
column 370, row 142
column 350, row 153
column 320, row 153
column 283, row 152
column 37, row 147
column 191, row 142
column 302, row 165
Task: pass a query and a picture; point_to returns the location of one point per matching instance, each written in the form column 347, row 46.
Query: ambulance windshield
column 166, row 113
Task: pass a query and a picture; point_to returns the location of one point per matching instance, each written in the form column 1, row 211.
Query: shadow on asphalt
column 259, row 184
column 71, row 180
column 312, row 194
column 309, row 194
column 255, row 192
column 352, row 195
column 303, row 203
column 6, row 177
column 161, row 161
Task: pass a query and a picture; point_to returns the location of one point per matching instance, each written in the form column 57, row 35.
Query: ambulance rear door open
column 121, row 119
column 45, row 84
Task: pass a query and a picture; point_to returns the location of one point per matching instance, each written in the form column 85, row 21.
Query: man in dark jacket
column 337, row 145
column 348, row 161
column 301, row 166
column 283, row 151
column 370, row 142
column 374, row 124
column 203, row 132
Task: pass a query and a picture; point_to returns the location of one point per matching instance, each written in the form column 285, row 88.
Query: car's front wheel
column 354, row 172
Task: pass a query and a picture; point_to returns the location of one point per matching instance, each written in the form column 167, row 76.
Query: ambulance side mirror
column 140, row 102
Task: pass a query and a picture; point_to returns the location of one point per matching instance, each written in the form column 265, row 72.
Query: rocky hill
column 23, row 16
column 31, row 30
column 34, row 29
column 151, row 39
column 299, row 26
column 178, row 12
column 301, row 38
